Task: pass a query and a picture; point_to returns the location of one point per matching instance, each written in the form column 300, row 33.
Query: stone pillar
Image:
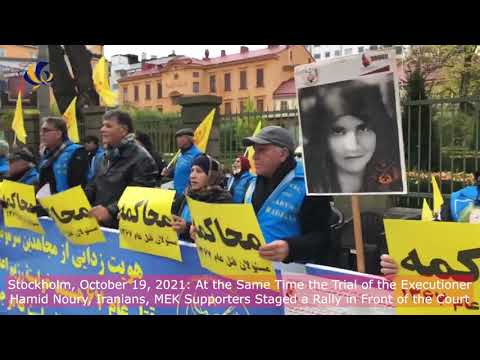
column 194, row 110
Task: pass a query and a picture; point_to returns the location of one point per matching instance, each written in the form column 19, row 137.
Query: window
column 213, row 85
column 284, row 105
column 159, row 90
column 175, row 76
column 260, row 105
column 196, row 74
column 160, row 108
column 175, row 99
column 2, row 52
column 398, row 50
column 243, row 80
column 228, row 108
column 260, row 78
column 361, row 49
column 227, row 82
column 327, row 54
column 196, row 87
column 373, row 47
column 242, row 106
column 125, row 94
column 135, row 93
column 348, row 51
column 147, row 92
column 317, row 56
column 337, row 52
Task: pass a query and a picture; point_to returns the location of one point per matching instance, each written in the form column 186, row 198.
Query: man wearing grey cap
column 295, row 226
column 183, row 166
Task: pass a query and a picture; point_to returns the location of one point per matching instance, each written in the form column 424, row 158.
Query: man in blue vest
column 63, row 164
column 183, row 166
column 295, row 226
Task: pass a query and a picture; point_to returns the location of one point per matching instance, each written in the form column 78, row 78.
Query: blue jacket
column 61, row 166
column 183, row 167
column 3, row 166
column 30, row 177
column 459, row 200
column 237, row 185
column 94, row 163
column 279, row 215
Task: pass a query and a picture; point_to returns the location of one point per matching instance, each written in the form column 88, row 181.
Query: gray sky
column 196, row 51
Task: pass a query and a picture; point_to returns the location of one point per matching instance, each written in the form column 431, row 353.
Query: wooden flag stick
column 357, row 229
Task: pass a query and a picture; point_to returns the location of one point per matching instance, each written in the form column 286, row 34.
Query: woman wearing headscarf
column 206, row 178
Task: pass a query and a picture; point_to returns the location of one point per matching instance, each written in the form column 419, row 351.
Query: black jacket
column 315, row 245
column 131, row 165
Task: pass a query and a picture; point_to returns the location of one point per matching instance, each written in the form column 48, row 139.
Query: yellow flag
column 437, row 263
column 437, row 197
column 228, row 247
column 426, row 212
column 102, row 85
column 250, row 151
column 70, row 117
column 69, row 209
column 202, row 133
column 145, row 222
column 17, row 123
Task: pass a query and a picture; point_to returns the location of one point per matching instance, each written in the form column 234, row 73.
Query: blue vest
column 183, row 167
column 94, row 163
column 278, row 216
column 238, row 188
column 460, row 199
column 4, row 166
column 61, row 166
column 30, row 177
column 185, row 215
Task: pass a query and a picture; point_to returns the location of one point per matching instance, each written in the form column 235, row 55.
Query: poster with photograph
column 350, row 123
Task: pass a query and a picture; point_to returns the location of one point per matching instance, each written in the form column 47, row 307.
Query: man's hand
column 100, row 213
column 179, row 224
column 165, row 171
column 389, row 266
column 275, row 251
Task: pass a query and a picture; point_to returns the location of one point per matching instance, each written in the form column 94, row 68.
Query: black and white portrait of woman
column 351, row 137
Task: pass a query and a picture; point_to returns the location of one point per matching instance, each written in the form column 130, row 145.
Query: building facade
column 248, row 76
column 324, row 52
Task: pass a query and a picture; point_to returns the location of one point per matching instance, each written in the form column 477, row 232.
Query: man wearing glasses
column 63, row 164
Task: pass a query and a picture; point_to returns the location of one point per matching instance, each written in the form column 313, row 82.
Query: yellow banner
column 227, row 246
column 145, row 222
column 20, row 200
column 438, row 264
column 69, row 209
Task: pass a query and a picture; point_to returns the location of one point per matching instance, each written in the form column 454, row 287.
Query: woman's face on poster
column 351, row 143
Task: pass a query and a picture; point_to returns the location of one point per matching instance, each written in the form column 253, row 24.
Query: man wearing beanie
column 188, row 152
column 22, row 167
column 238, row 183
column 295, row 226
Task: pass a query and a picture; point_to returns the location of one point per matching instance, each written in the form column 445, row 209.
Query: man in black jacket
column 295, row 226
column 125, row 164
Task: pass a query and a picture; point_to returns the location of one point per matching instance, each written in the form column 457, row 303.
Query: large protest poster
column 350, row 123
column 145, row 222
column 438, row 266
column 227, row 247
column 69, row 209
